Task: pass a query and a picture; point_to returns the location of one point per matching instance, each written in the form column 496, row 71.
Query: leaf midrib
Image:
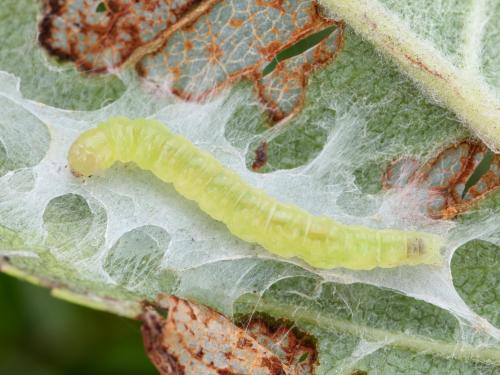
column 414, row 343
column 460, row 90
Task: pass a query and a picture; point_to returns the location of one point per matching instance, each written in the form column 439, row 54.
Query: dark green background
column 42, row 335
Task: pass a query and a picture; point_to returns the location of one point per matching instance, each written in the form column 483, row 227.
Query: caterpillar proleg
column 249, row 213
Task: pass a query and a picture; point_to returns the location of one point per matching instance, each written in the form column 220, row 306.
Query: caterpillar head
column 90, row 153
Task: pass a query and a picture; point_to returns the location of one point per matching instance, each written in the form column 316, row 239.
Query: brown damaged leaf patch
column 443, row 178
column 260, row 156
column 101, row 35
column 236, row 40
column 296, row 349
column 194, row 48
column 194, row 339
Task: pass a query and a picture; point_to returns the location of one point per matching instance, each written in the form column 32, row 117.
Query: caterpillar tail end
column 90, row 153
column 424, row 248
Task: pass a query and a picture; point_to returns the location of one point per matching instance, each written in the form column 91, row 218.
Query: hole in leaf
column 101, row 7
column 456, row 178
column 73, row 225
column 359, row 372
column 135, row 258
column 479, row 172
column 298, row 48
column 142, row 31
column 303, row 357
column 3, row 158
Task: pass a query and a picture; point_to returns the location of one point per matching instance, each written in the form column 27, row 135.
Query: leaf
column 445, row 181
column 194, row 45
column 194, row 339
column 98, row 37
column 60, row 86
column 116, row 240
column 444, row 59
column 196, row 52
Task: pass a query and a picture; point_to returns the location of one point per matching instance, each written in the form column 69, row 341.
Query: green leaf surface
column 41, row 80
column 446, row 46
column 117, row 239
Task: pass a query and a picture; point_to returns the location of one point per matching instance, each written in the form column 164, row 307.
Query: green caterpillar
column 249, row 213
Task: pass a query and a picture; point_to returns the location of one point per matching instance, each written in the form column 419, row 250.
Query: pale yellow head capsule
column 90, row 153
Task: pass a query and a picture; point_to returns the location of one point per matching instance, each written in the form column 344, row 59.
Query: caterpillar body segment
column 249, row 213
